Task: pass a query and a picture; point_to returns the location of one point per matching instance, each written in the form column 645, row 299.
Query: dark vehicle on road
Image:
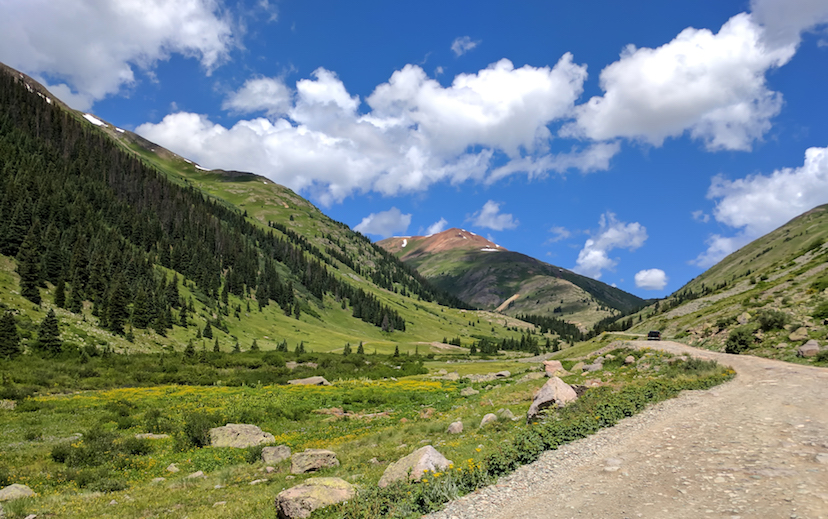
column 654, row 335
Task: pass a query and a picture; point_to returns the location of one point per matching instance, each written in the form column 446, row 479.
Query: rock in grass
column 629, row 359
column 15, row 491
column 173, row 468
column 310, row 381
column 151, row 436
column 414, row 465
column 503, row 374
column 300, row 501
column 239, row 435
column 809, row 349
column 274, row 455
column 455, row 427
column 800, row 334
column 506, row 414
column 468, row 391
column 312, row 460
column 489, row 418
column 555, row 392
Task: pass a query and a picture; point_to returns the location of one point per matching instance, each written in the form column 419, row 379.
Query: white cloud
column 594, row 158
column 463, row 45
column 710, row 85
column 384, row 224
column 594, row 257
column 490, row 217
column 784, row 20
column 416, row 133
column 92, row 47
column 651, row 279
column 269, row 95
column 758, row 204
column 560, row 233
column 436, row 227
column 701, row 216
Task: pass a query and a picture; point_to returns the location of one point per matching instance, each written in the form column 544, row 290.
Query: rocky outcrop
column 300, row 501
column 809, row 349
column 15, row 491
column 414, row 465
column 312, row 460
column 553, row 368
column 8, row 405
column 310, row 381
column 239, row 435
column 555, row 392
column 274, row 455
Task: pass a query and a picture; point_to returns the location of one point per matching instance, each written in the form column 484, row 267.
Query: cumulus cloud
column 559, row 233
column 416, row 133
column 436, row 227
column 613, row 234
column 785, row 20
column 700, row 216
column 758, row 204
column 490, row 217
column 384, row 224
column 463, row 45
column 710, row 85
column 269, row 95
column 92, row 48
column 651, row 279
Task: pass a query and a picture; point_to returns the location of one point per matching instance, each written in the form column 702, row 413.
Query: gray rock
column 300, row 501
column 629, row 359
column 8, row 405
column 610, row 356
column 744, row 318
column 503, row 374
column 821, row 458
column 468, row 391
column 453, row 376
column 414, row 465
column 15, row 491
column 158, row 480
column 239, row 436
column 506, row 414
column 577, row 368
column 195, row 475
column 312, row 460
column 173, row 468
column 555, row 392
column 809, row 349
column 310, row 381
column 489, row 418
column 597, row 366
column 151, row 436
column 276, row 454
column 535, row 375
column 799, row 335
column 782, row 345
column 455, row 427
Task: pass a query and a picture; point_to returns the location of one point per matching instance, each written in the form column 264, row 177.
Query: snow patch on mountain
column 94, row 120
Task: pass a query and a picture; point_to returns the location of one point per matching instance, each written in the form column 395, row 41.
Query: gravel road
column 756, row 447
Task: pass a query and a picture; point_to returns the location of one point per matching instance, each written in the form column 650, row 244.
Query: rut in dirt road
column 756, row 447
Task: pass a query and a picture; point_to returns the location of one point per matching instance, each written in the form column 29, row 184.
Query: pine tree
column 9, row 337
column 396, row 351
column 360, row 349
column 296, row 311
column 473, row 349
column 254, row 346
column 208, row 330
column 76, row 296
column 182, row 317
column 28, row 266
column 236, row 347
column 216, row 348
column 117, row 313
column 347, row 349
column 189, row 351
column 48, row 335
column 60, row 294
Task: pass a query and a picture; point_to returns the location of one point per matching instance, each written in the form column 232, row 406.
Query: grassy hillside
column 486, row 275
column 772, row 292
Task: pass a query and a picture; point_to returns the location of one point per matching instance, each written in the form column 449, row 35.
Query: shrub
column 821, row 311
column 822, row 356
column 197, row 427
column 156, row 422
column 5, row 477
column 772, row 320
column 739, row 340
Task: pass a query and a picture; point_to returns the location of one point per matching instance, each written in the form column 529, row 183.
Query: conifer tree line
column 79, row 212
column 567, row 331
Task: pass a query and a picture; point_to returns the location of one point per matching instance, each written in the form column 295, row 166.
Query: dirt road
column 756, row 447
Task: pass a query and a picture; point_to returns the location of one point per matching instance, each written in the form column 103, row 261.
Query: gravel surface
column 756, row 447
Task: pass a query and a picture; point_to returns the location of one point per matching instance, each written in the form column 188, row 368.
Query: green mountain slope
column 772, row 290
column 148, row 248
column 491, row 277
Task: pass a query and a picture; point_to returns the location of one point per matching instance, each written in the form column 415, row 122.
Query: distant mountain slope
column 483, row 273
column 768, row 289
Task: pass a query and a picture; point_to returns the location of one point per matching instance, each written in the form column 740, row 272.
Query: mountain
column 769, row 297
column 139, row 249
column 487, row 275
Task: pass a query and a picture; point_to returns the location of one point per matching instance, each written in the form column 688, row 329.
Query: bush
column 197, row 427
column 772, row 320
column 821, row 311
column 739, row 340
column 156, row 422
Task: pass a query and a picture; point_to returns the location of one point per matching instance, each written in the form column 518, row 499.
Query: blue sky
column 634, row 143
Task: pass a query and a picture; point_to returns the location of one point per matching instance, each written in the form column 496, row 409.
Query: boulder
column 195, row 475
column 274, row 455
column 577, row 368
column 300, row 501
column 452, row 377
column 503, row 374
column 506, row 414
column 809, row 349
column 489, row 418
column 173, row 468
column 468, row 391
column 552, row 367
column 239, row 435
column 535, row 375
column 800, row 334
column 597, row 366
column 414, row 465
column 312, row 460
column 151, row 436
column 455, row 427
column 15, row 491
column 555, row 392
column 744, row 318
column 310, row 381
column 782, row 345
column 629, row 359
column 8, row 405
